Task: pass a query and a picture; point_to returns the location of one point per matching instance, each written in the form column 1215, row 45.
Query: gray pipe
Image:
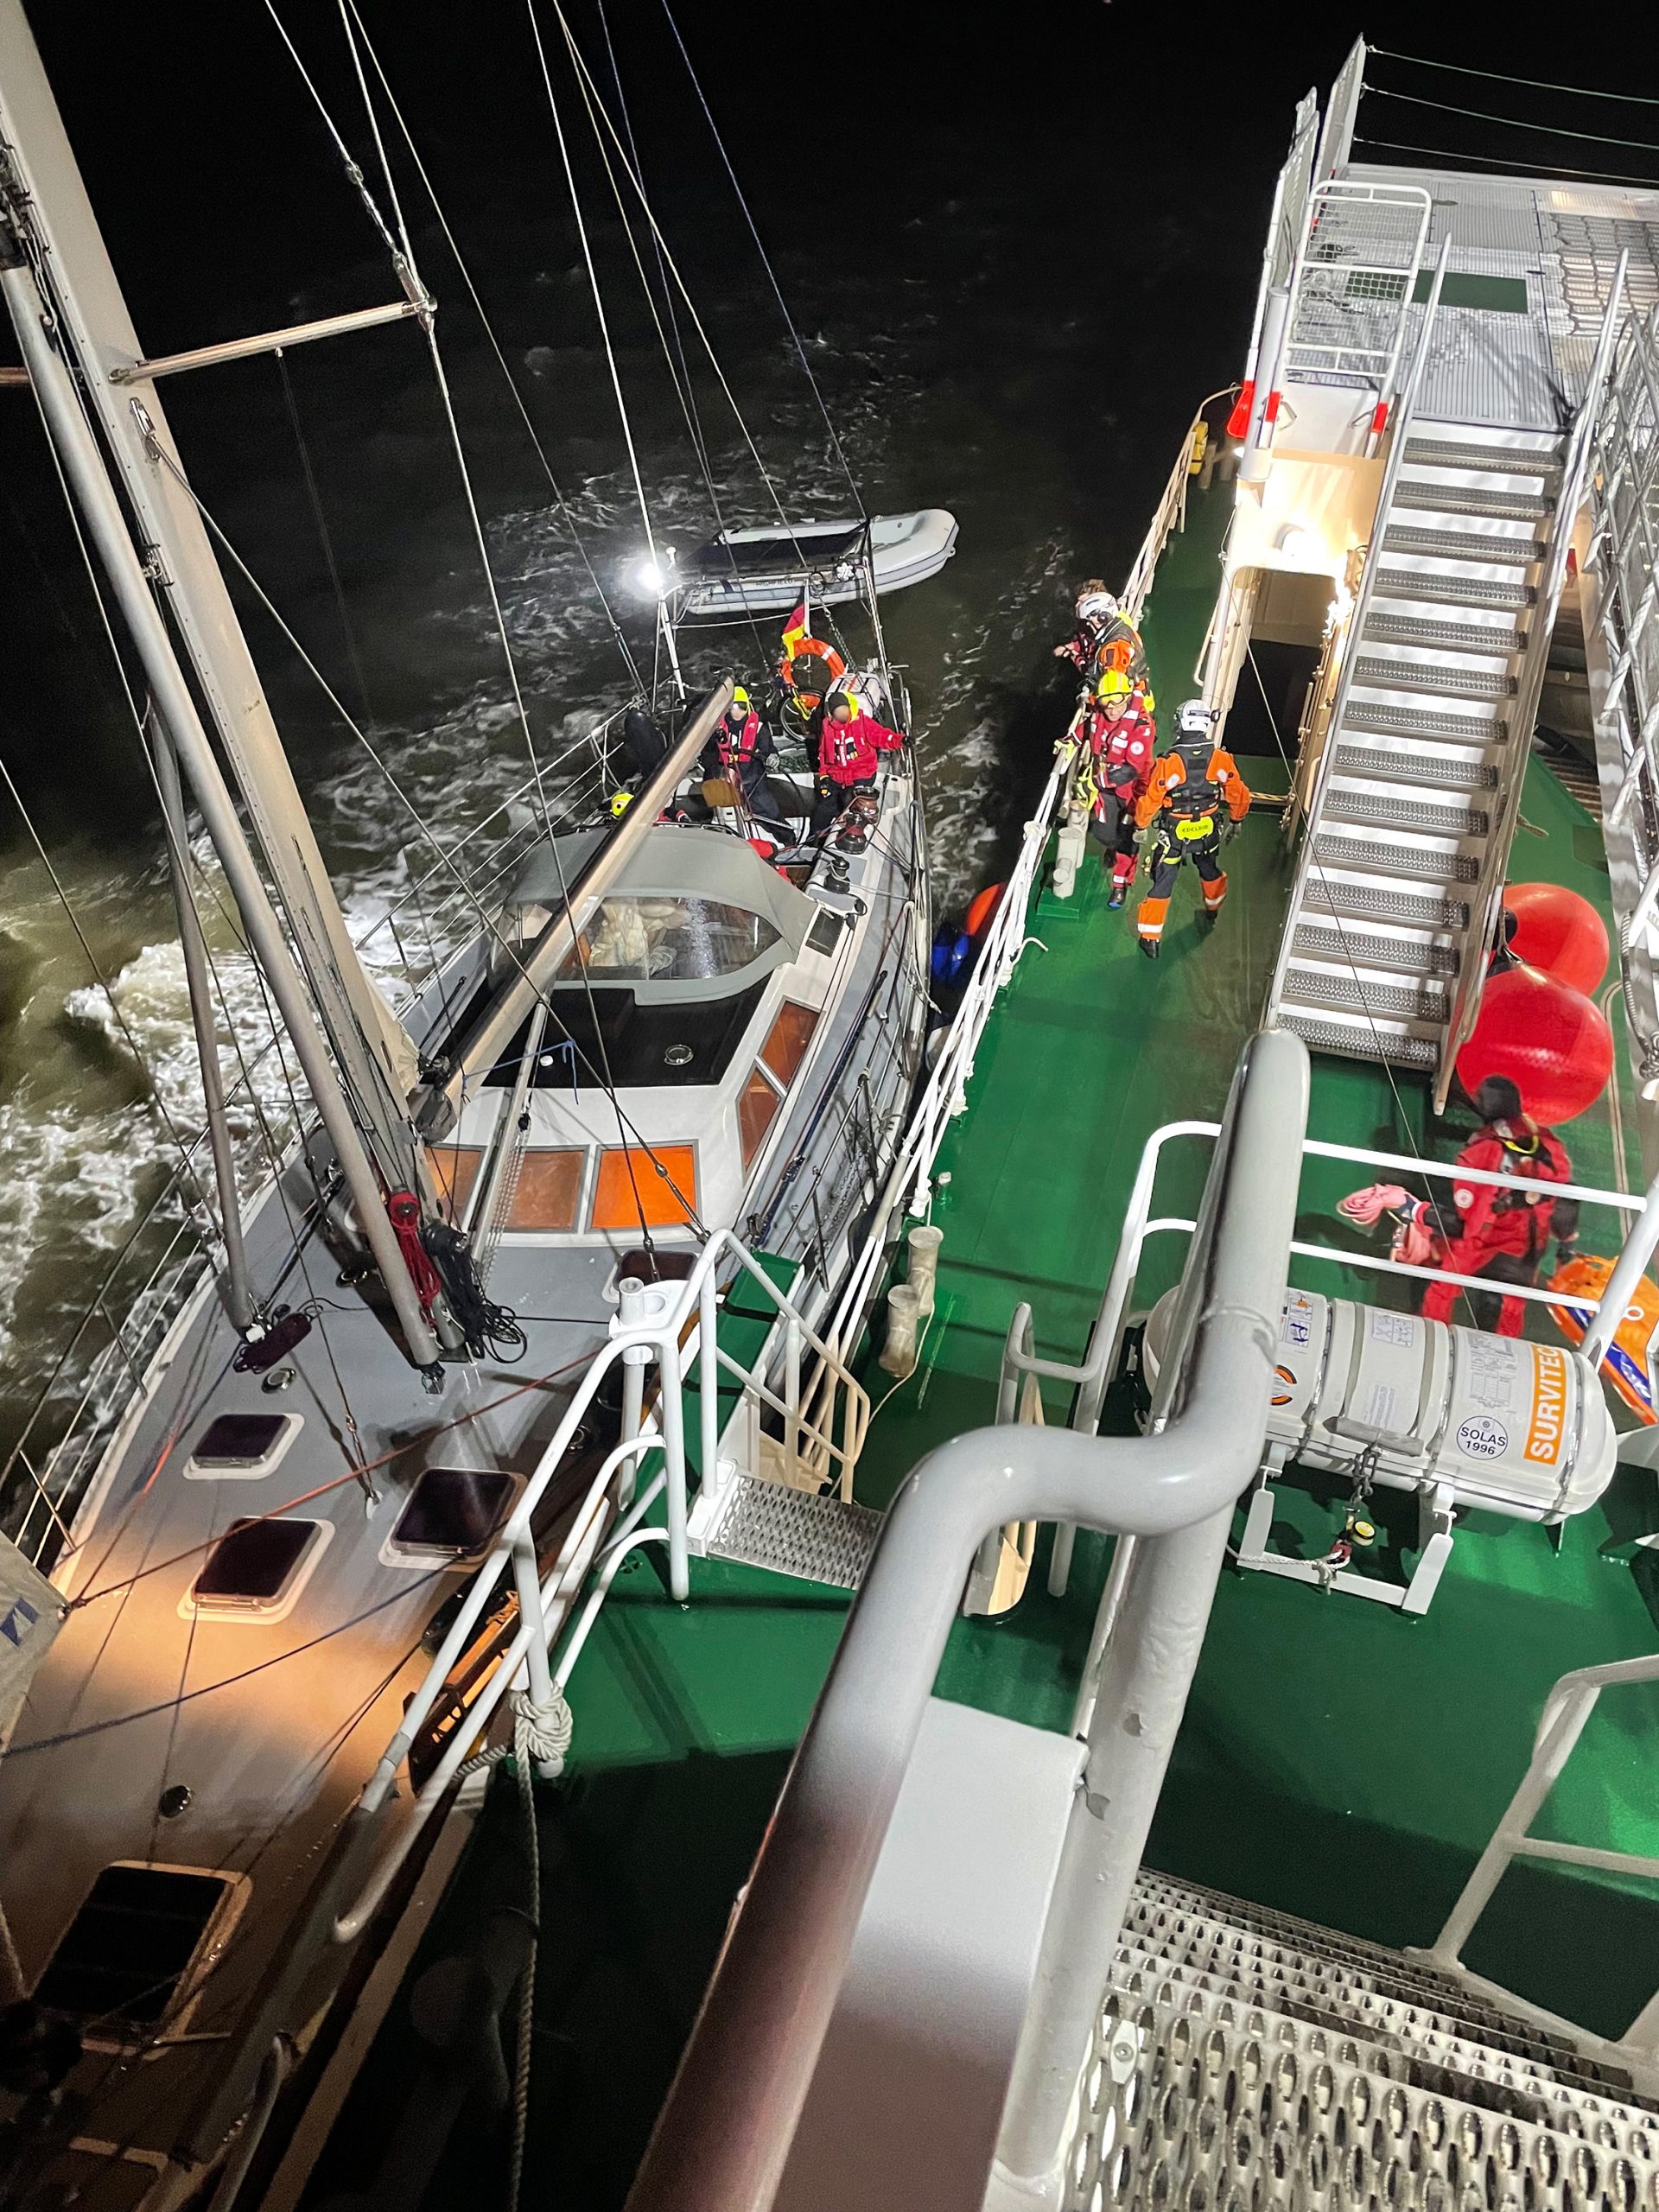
column 723, row 2137
column 101, row 511
column 238, row 1296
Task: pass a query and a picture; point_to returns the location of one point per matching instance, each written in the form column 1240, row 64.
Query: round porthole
column 678, row 1056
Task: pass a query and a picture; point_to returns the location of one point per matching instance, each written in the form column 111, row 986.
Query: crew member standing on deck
column 1195, row 797
column 849, row 754
column 1104, row 637
column 1119, row 739
column 1485, row 1230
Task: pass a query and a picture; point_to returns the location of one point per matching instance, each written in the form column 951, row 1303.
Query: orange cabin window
column 662, row 1186
column 549, row 1191
column 788, row 1039
column 757, row 1110
column 455, row 1170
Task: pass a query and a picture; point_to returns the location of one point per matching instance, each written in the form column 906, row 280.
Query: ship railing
column 673, row 1327
column 1091, row 1376
column 1566, row 1712
column 766, row 2011
column 1486, row 900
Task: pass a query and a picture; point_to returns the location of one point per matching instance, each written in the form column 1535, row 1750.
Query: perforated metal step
column 1420, row 721
column 1387, row 812
column 1385, row 856
column 1407, row 956
column 1452, row 591
column 1454, row 775
column 1382, row 628
column 813, row 1539
column 1470, row 499
column 1502, row 461
column 1461, row 545
column 1377, row 902
column 1444, row 678
column 1394, row 1045
column 1357, row 994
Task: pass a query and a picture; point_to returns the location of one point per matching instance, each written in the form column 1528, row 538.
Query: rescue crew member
column 1104, row 638
column 1485, row 1230
column 1195, row 795
column 850, row 752
column 1119, row 739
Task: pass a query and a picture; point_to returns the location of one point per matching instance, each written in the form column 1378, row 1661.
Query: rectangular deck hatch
column 242, row 1445
column 454, row 1510
column 257, row 1568
column 126, row 1951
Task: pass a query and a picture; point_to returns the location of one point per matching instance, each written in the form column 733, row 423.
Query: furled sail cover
column 31, row 1613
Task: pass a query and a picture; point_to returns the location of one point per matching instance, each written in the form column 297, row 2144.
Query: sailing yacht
column 370, row 1422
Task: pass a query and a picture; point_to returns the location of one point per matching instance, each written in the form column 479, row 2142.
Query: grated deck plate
column 1315, row 941
column 1453, row 591
column 1439, row 677
column 1376, row 902
column 1416, row 769
column 1385, row 629
column 1380, row 812
column 1359, row 1044
column 1419, row 722
column 1408, row 1002
column 1386, row 858
column 1462, row 545
column 1501, row 460
column 813, row 1539
column 1470, row 499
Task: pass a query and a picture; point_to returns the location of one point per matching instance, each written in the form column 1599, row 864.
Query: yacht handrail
column 1566, row 1711
column 652, row 1320
column 1405, row 407
column 723, row 2137
column 1486, row 900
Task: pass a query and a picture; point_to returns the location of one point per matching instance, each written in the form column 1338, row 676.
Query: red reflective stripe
column 1270, row 412
column 1239, row 420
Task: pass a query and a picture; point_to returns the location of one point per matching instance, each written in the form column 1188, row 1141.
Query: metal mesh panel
column 814, row 1539
column 1358, row 266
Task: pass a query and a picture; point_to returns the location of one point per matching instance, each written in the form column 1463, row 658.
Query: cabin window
column 125, row 1952
column 548, row 1189
column 242, row 1447
column 455, row 1170
column 825, row 932
column 642, row 938
column 257, row 1568
column 787, row 1041
column 454, row 1510
column 757, row 1110
column 659, row 1185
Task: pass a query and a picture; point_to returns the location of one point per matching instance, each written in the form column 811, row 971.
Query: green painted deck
column 1337, row 1760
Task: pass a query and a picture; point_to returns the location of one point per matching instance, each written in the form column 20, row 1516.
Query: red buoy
column 1550, row 1040
column 1559, row 931
column 986, row 903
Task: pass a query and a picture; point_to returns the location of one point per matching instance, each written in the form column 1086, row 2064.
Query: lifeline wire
column 1497, row 76
column 1514, row 122
column 1556, row 169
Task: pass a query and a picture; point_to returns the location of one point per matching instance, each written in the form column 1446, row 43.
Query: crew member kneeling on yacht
column 850, row 752
column 1195, row 796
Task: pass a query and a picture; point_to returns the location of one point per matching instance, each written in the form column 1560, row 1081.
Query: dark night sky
column 1130, row 151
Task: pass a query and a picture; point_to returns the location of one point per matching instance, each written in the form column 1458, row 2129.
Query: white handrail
column 1566, row 1709
column 667, row 1311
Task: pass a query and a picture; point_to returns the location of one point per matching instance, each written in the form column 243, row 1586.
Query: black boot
column 1148, row 946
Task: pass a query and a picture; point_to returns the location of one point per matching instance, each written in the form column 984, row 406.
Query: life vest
column 737, row 746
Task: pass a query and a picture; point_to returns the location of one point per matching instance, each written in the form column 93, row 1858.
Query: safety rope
column 1556, row 169
column 766, row 263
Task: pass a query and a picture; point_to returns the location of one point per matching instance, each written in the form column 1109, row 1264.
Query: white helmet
column 1097, row 606
column 1194, row 719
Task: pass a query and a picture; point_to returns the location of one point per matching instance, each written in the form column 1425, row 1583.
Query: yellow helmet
column 621, row 802
column 739, row 697
column 1114, row 684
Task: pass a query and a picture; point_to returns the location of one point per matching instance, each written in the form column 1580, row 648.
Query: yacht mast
column 50, row 208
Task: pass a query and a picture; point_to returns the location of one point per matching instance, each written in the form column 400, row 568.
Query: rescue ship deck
column 1338, row 1759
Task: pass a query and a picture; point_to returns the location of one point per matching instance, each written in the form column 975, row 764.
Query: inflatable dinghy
column 768, row 571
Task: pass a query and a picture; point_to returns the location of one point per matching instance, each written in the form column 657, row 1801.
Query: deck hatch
column 242, row 1445
column 126, row 1951
column 258, row 1568
column 452, row 1512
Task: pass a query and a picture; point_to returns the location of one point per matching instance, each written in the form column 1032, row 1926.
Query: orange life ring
column 985, row 904
column 833, row 663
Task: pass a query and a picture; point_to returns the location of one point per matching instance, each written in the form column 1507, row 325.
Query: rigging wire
column 323, row 537
column 1556, row 169
column 443, row 220
column 1512, row 122
column 1497, row 76
column 592, row 281
column 766, row 262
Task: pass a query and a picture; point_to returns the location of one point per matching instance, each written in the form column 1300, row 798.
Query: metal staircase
column 1242, row 2057
column 1426, row 744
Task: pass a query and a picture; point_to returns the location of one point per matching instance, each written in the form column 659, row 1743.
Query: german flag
column 795, row 631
